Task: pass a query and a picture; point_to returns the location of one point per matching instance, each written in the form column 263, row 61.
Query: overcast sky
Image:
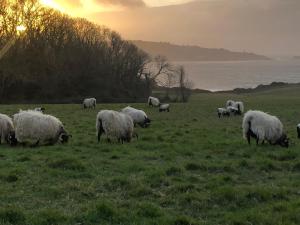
column 263, row 26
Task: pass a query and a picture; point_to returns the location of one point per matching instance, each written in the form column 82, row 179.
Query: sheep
column 263, row 126
column 40, row 109
column 115, row 125
column 164, row 107
column 89, row 103
column 35, row 128
column 298, row 130
column 6, row 128
column 138, row 116
column 233, row 110
column 230, row 103
column 240, row 107
column 223, row 112
column 152, row 101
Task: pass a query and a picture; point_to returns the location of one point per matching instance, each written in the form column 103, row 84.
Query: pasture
column 188, row 167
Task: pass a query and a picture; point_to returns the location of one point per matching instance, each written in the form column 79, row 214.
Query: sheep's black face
column 12, row 139
column 147, row 122
column 298, row 131
column 284, row 141
column 64, row 138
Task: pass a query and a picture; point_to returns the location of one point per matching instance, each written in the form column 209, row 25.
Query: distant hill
column 194, row 53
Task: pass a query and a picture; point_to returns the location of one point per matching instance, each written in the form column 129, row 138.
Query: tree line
column 63, row 59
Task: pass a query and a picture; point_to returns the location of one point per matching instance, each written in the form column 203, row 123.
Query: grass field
column 188, row 167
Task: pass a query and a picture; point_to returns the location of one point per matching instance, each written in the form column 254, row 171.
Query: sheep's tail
column 246, row 125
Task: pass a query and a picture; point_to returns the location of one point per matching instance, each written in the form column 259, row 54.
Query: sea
column 219, row 76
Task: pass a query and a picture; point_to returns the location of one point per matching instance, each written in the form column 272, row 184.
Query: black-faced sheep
column 40, row 109
column 164, row 107
column 114, row 125
column 223, row 112
column 152, row 101
column 35, row 128
column 230, row 103
column 138, row 116
column 89, row 103
column 263, row 126
column 240, row 107
column 6, row 128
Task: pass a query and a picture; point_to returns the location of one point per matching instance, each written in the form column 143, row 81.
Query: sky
column 266, row 27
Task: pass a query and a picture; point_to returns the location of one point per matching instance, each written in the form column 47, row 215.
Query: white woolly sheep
column 164, row 107
column 298, row 130
column 263, row 126
column 233, row 110
column 40, row 109
column 138, row 116
column 240, row 107
column 89, row 103
column 35, row 128
column 152, row 101
column 223, row 112
column 230, row 103
column 6, row 128
column 115, row 125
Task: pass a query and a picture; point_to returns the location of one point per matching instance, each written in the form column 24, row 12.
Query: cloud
column 124, row 3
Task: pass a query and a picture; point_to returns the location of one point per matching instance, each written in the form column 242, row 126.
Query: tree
column 185, row 85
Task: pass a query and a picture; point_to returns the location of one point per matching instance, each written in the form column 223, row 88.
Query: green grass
column 188, row 167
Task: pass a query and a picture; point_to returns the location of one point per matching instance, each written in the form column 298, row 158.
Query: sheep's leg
column 35, row 145
column 219, row 114
column 99, row 135
column 257, row 140
column 248, row 136
column 0, row 139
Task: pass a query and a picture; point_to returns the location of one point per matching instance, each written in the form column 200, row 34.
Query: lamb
column 6, row 128
column 263, row 126
column 138, row 116
column 35, row 128
column 164, row 107
column 115, row 125
column 223, row 112
column 298, row 130
column 152, row 101
column 89, row 103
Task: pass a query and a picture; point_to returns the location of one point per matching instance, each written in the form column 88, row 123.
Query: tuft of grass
column 67, row 164
column 12, row 215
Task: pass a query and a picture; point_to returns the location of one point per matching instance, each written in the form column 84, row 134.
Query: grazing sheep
column 40, row 109
column 298, row 130
column 115, row 125
column 164, row 107
column 263, row 126
column 223, row 112
column 138, row 116
column 230, row 103
column 240, row 107
column 6, row 128
column 233, row 110
column 35, row 128
column 89, row 103
column 152, row 101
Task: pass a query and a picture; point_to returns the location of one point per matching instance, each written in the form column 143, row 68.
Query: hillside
column 194, row 53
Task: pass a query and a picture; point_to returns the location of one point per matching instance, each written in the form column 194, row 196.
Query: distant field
column 188, row 167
